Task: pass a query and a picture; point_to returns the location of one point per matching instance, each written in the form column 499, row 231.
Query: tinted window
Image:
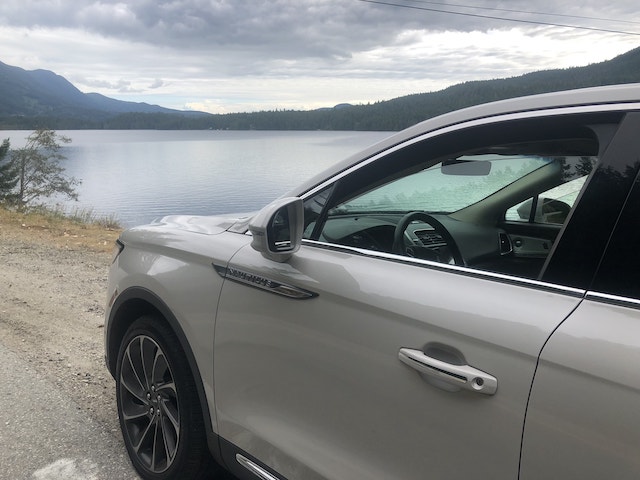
column 437, row 188
column 468, row 186
column 553, row 206
column 619, row 273
column 585, row 236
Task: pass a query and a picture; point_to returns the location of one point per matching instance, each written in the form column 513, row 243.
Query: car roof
column 612, row 94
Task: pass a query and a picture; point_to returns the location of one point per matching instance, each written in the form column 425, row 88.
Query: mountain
column 42, row 93
column 405, row 111
column 33, row 99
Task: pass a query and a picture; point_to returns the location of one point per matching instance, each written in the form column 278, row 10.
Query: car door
column 350, row 361
column 583, row 419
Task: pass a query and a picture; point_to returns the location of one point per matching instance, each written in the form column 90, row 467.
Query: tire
column 158, row 407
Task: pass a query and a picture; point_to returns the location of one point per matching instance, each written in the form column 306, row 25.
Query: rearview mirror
column 277, row 229
column 457, row 166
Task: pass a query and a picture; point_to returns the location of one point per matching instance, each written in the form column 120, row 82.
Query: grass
column 82, row 216
column 53, row 226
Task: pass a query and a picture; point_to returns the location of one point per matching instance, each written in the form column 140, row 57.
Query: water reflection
column 142, row 175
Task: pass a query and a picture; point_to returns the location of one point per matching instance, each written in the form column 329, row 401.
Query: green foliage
column 8, row 172
column 40, row 174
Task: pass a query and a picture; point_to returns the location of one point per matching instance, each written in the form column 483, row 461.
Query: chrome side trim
column 259, row 472
column 264, row 283
column 613, row 299
column 469, row 272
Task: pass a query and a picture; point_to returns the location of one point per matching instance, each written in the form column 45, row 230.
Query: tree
column 40, row 174
column 8, row 172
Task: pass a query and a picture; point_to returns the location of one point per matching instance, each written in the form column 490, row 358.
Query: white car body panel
column 178, row 269
column 315, row 388
column 588, row 375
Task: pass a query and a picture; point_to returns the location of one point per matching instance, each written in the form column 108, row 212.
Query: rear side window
column 552, row 206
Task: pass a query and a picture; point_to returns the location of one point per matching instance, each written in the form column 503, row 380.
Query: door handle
column 462, row 376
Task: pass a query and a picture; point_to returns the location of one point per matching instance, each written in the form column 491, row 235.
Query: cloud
column 255, row 54
column 292, row 28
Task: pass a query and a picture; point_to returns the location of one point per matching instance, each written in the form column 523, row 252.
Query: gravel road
column 51, row 315
column 51, row 319
column 58, row 418
column 46, row 436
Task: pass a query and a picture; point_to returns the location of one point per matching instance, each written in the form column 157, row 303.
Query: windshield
column 434, row 189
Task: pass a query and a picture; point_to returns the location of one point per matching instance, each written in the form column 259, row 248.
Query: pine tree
column 8, row 172
column 40, row 174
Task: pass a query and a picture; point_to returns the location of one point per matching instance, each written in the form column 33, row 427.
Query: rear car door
column 583, row 419
column 354, row 360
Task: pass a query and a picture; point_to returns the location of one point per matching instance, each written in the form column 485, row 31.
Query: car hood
column 206, row 225
column 189, row 238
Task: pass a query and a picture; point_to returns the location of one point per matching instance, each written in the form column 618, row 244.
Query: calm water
column 141, row 175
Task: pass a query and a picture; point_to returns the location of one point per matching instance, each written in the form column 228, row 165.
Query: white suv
column 437, row 306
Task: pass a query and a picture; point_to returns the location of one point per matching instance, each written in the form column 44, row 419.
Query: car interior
column 497, row 204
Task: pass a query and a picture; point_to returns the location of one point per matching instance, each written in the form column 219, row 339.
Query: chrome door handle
column 463, row 376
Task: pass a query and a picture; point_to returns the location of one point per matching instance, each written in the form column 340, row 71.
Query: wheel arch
column 130, row 305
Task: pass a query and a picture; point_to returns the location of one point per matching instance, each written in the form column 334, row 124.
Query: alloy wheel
column 149, row 404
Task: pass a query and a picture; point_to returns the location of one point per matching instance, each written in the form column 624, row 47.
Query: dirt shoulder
column 52, row 292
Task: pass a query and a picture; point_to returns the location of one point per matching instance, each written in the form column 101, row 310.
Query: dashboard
column 486, row 247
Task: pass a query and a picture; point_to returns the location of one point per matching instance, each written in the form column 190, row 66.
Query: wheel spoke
column 161, row 373
column 169, row 437
column 167, row 388
column 143, row 436
column 157, row 438
column 135, row 413
column 159, row 446
column 130, row 376
column 148, row 351
column 170, row 410
column 138, row 393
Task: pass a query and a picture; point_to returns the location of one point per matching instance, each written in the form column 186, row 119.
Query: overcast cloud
column 245, row 55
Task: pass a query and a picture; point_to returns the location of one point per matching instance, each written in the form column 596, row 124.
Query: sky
column 224, row 56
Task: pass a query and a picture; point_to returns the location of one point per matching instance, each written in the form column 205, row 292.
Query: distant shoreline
column 96, row 112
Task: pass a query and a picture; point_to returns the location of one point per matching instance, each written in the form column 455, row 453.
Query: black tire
column 160, row 415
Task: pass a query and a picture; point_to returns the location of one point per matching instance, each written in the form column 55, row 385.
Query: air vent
column 505, row 244
column 429, row 237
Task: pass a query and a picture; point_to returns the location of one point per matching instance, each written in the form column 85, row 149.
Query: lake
column 139, row 175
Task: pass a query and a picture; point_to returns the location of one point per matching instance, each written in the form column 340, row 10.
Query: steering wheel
column 450, row 255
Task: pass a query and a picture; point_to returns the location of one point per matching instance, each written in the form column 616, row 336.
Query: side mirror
column 277, row 229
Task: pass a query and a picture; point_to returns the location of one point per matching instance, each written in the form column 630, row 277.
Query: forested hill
column 405, row 111
column 386, row 115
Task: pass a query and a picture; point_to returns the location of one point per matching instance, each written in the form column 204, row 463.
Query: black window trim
column 575, row 259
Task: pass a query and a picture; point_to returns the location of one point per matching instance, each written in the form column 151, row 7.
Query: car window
column 313, row 208
column 618, row 272
column 453, row 199
column 553, row 206
column 444, row 187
